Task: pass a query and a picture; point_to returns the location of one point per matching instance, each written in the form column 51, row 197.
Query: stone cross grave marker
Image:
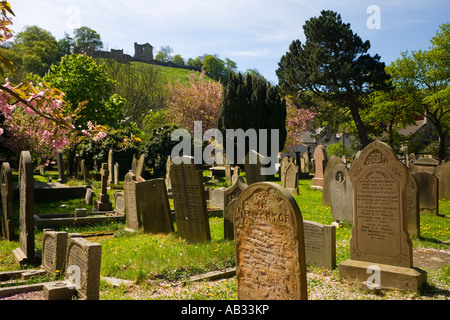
column 320, row 163
column 428, row 185
column 102, row 203
column 320, row 244
column 189, row 201
column 270, row 253
column 379, row 236
column 7, row 197
column 26, row 253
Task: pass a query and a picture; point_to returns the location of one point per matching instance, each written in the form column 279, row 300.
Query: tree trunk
column 362, row 134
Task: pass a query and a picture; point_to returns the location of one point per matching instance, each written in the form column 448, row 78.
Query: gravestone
column 116, row 173
column 167, row 177
column 283, row 164
column 320, row 163
column 140, row 167
column 216, row 198
column 428, row 186
column 119, row 202
column 7, row 198
column 412, row 207
column 102, row 203
column 147, row 205
column 89, row 196
column 236, row 174
column 54, row 249
column 320, row 244
column 229, row 196
column 305, row 163
column 134, row 164
column 270, row 253
column 443, row 174
column 341, row 193
column 110, row 167
column 60, row 162
column 425, row 164
column 380, row 237
column 84, row 170
column 26, row 253
column 252, row 167
column 83, row 267
column 290, row 182
column 327, row 178
column 189, row 200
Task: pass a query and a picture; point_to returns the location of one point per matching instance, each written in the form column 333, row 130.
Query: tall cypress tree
column 250, row 102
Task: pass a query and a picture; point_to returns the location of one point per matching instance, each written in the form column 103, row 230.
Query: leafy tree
column 164, row 54
column 214, row 67
column 34, row 50
column 197, row 62
column 252, row 103
column 142, row 87
column 86, row 83
column 177, row 59
column 422, row 78
column 87, row 39
column 333, row 65
column 66, row 45
column 297, row 121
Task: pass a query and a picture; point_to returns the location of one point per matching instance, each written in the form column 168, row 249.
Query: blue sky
column 253, row 33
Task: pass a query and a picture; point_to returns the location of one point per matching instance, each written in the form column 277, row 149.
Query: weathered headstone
column 216, row 198
column 270, row 253
column 443, row 174
column 327, row 178
column 341, row 194
column 252, row 166
column 167, row 177
column 283, row 164
column 380, row 239
column 413, row 207
column 229, row 196
column 84, row 170
column 116, row 173
column 305, row 163
column 26, row 253
column 60, row 162
column 425, row 164
column 290, row 173
column 7, row 197
column 102, row 203
column 147, row 205
column 134, row 165
column 428, row 186
column 140, row 168
column 236, row 174
column 189, row 201
column 320, row 163
column 54, row 249
column 83, row 267
column 110, row 167
column 89, row 196
column 320, row 244
column 119, row 202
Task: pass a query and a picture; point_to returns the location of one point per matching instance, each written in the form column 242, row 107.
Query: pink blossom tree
column 35, row 115
column 197, row 100
column 297, row 121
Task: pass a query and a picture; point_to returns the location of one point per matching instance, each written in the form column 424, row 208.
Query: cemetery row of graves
column 321, row 228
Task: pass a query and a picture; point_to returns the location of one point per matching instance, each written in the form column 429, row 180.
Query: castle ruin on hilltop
column 142, row 53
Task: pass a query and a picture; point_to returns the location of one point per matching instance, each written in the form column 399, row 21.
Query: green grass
column 161, row 264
